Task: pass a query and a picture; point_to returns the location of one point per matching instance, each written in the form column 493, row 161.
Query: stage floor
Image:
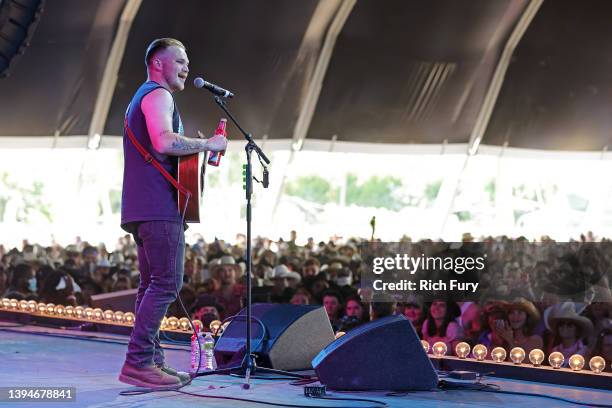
column 35, row 356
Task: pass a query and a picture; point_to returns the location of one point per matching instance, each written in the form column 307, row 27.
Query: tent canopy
column 396, row 72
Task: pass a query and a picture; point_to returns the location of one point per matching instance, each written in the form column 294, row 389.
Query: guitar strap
column 151, row 160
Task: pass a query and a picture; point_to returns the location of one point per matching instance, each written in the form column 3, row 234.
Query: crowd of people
column 550, row 296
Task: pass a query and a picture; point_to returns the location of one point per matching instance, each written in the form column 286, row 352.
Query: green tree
column 234, row 160
column 381, row 192
column 115, row 200
column 212, row 179
column 312, row 188
column 3, row 201
column 32, row 198
column 431, row 191
column 491, row 188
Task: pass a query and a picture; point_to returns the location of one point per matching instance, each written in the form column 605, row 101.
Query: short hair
column 20, row 272
column 382, row 309
column 161, row 44
column 311, row 262
column 332, row 293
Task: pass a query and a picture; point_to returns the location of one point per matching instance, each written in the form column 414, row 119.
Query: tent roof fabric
column 412, row 72
column 558, row 91
column 249, row 47
column 53, row 86
column 401, row 72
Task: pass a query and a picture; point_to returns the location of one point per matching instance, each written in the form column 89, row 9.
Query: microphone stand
column 248, row 366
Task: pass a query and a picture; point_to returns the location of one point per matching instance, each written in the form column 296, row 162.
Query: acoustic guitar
column 191, row 172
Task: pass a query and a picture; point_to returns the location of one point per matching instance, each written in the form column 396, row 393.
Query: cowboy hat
column 412, row 300
column 281, row 271
column 526, row 306
column 566, row 311
column 225, row 260
column 494, row 308
column 103, row 263
column 452, row 308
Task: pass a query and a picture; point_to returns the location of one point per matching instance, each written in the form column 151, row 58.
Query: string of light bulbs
column 89, row 314
column 479, row 352
column 517, row 355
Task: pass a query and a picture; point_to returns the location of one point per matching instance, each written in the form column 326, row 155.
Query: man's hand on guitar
column 217, row 143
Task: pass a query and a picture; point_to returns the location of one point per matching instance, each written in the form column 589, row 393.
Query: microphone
column 217, row 90
column 266, row 178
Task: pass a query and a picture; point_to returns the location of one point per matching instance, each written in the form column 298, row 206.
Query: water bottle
column 195, row 350
column 215, row 157
column 209, row 356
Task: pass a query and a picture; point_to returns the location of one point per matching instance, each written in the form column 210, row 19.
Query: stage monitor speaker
column 124, row 300
column 294, row 335
column 18, row 19
column 385, row 354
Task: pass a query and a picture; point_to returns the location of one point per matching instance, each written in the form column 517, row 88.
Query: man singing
column 149, row 208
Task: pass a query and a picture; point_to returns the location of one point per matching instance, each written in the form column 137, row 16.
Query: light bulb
column 536, row 356
column 556, row 359
column 173, row 323
column 60, row 310
column 498, row 354
column 6, row 303
column 23, row 305
column 69, row 311
column 184, row 323
column 14, row 303
column 118, row 316
column 576, row 362
column 41, row 307
column 200, row 325
column 50, row 308
column 339, row 334
column 439, row 349
column 129, row 318
column 109, row 315
column 479, row 352
column 597, row 364
column 517, row 355
column 462, row 349
column 425, row 345
column 88, row 313
column 98, row 313
column 214, row 326
column 79, row 311
column 32, row 306
column 163, row 325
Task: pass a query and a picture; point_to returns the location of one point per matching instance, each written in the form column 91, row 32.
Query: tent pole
column 486, row 110
column 111, row 71
column 314, row 87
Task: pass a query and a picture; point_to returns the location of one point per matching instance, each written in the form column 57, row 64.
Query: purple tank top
column 147, row 195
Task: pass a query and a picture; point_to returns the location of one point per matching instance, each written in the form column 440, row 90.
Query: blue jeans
column 160, row 260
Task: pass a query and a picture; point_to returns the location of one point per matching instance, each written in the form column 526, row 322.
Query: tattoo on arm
column 184, row 145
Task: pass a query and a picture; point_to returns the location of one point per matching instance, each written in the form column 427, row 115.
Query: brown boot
column 183, row 376
column 148, row 377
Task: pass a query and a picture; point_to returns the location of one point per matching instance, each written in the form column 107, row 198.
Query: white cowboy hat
column 566, row 311
column 217, row 263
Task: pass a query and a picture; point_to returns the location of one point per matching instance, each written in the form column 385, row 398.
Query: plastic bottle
column 202, row 357
column 215, row 157
column 210, row 363
column 195, row 349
